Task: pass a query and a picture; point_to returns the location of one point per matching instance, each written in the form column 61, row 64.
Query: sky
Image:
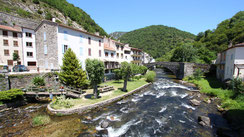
column 188, row 15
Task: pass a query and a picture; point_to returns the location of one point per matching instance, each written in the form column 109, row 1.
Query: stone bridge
column 180, row 69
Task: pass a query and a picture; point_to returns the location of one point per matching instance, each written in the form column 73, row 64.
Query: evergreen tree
column 72, row 73
column 95, row 70
column 126, row 71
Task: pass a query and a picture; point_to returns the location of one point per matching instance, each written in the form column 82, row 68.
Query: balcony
column 111, row 65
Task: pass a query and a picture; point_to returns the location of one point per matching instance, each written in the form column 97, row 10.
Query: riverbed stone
column 204, row 121
column 195, row 102
column 104, row 124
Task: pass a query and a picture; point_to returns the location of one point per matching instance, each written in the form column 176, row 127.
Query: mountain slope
column 63, row 11
column 157, row 40
column 117, row 35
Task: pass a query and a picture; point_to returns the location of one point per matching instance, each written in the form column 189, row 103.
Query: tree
column 126, row 71
column 184, row 53
column 16, row 57
column 95, row 70
column 72, row 73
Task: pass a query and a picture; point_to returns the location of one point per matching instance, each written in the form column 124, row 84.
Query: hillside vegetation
column 157, row 40
column 117, row 35
column 63, row 11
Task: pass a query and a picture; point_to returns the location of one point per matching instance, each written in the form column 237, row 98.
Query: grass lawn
column 118, row 85
column 212, row 87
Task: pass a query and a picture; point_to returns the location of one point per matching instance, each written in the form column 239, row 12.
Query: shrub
column 23, row 13
column 36, row 1
column 237, row 86
column 48, row 16
column 23, row 1
column 198, row 74
column 142, row 70
column 39, row 11
column 41, row 120
column 10, row 94
column 38, row 81
column 150, row 76
column 61, row 102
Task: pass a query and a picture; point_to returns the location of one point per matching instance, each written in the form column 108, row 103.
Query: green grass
column 212, row 87
column 41, row 120
column 1, row 103
column 118, row 85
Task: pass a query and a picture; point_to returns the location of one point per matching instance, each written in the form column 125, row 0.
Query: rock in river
column 195, row 102
column 104, row 124
column 204, row 121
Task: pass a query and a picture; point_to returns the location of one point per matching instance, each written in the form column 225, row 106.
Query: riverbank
column 85, row 105
column 231, row 108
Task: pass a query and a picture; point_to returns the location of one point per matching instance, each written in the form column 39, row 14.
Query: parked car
column 20, row 68
column 4, row 69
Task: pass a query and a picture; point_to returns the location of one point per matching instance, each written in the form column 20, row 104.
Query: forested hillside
column 157, row 40
column 117, row 35
column 230, row 30
column 63, row 11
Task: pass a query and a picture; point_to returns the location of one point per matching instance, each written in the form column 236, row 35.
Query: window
column 16, row 51
column 89, row 51
column 100, row 43
column 44, row 36
column 28, row 35
column 5, row 33
column 5, row 42
column 65, row 48
column 89, row 40
column 6, row 52
column 117, row 55
column 100, row 53
column 81, row 51
column 122, row 55
column 65, row 35
column 117, row 47
column 106, row 54
column 15, row 34
column 112, row 55
column 29, row 54
column 81, row 39
column 122, row 47
column 45, row 49
column 29, row 44
column 16, row 43
column 10, row 62
column 31, row 63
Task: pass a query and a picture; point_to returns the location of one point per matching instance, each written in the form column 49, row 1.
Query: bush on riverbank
column 61, row 102
column 40, row 120
column 150, row 76
column 10, row 94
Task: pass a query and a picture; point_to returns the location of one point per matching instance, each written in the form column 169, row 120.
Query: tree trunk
column 95, row 91
column 125, row 85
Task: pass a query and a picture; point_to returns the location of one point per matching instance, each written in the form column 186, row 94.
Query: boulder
column 204, row 121
column 220, row 109
column 195, row 102
column 104, row 124
column 88, row 118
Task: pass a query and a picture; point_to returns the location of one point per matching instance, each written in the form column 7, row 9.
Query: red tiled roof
column 107, row 47
column 240, row 44
column 15, row 28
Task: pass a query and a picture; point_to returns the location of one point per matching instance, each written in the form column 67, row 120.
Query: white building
column 29, row 48
column 230, row 62
column 146, row 58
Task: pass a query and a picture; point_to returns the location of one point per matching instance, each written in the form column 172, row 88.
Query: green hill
column 157, row 40
column 63, row 11
column 230, row 30
column 117, row 34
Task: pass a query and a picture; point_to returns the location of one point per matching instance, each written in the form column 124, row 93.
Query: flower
column 61, row 87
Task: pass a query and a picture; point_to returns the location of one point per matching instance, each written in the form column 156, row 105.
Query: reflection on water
column 162, row 109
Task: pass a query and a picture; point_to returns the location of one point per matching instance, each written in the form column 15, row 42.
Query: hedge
column 10, row 94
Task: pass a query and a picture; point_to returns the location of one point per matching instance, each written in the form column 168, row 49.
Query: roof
column 15, row 28
column 136, row 49
column 107, row 47
column 235, row 46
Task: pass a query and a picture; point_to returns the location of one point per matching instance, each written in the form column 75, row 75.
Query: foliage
column 150, row 76
column 76, row 14
column 157, row 40
column 48, row 16
column 61, row 102
column 39, row 11
column 215, row 41
column 95, row 70
column 10, row 94
column 15, row 56
column 198, row 74
column 142, row 70
column 184, row 53
column 118, row 74
column 40, row 120
column 24, row 13
column 237, row 86
column 72, row 73
column 38, row 81
column 126, row 72
column 36, row 1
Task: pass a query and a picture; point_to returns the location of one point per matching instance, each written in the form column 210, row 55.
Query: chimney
column 97, row 33
column 53, row 19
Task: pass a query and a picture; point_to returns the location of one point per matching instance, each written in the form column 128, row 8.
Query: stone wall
column 3, row 84
column 11, row 20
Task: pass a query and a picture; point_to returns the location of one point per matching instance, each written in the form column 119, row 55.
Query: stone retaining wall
column 84, row 109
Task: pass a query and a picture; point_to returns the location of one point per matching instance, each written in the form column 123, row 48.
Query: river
column 162, row 109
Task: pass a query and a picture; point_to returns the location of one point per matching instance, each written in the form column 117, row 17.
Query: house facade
column 10, row 42
column 230, row 63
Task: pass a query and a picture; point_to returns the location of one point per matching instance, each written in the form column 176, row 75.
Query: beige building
column 10, row 42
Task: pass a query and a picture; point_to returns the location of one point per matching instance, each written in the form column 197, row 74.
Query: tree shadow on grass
column 118, row 82
column 91, row 96
column 214, row 82
column 121, row 89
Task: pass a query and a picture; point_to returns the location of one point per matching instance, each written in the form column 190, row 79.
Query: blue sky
column 189, row 15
